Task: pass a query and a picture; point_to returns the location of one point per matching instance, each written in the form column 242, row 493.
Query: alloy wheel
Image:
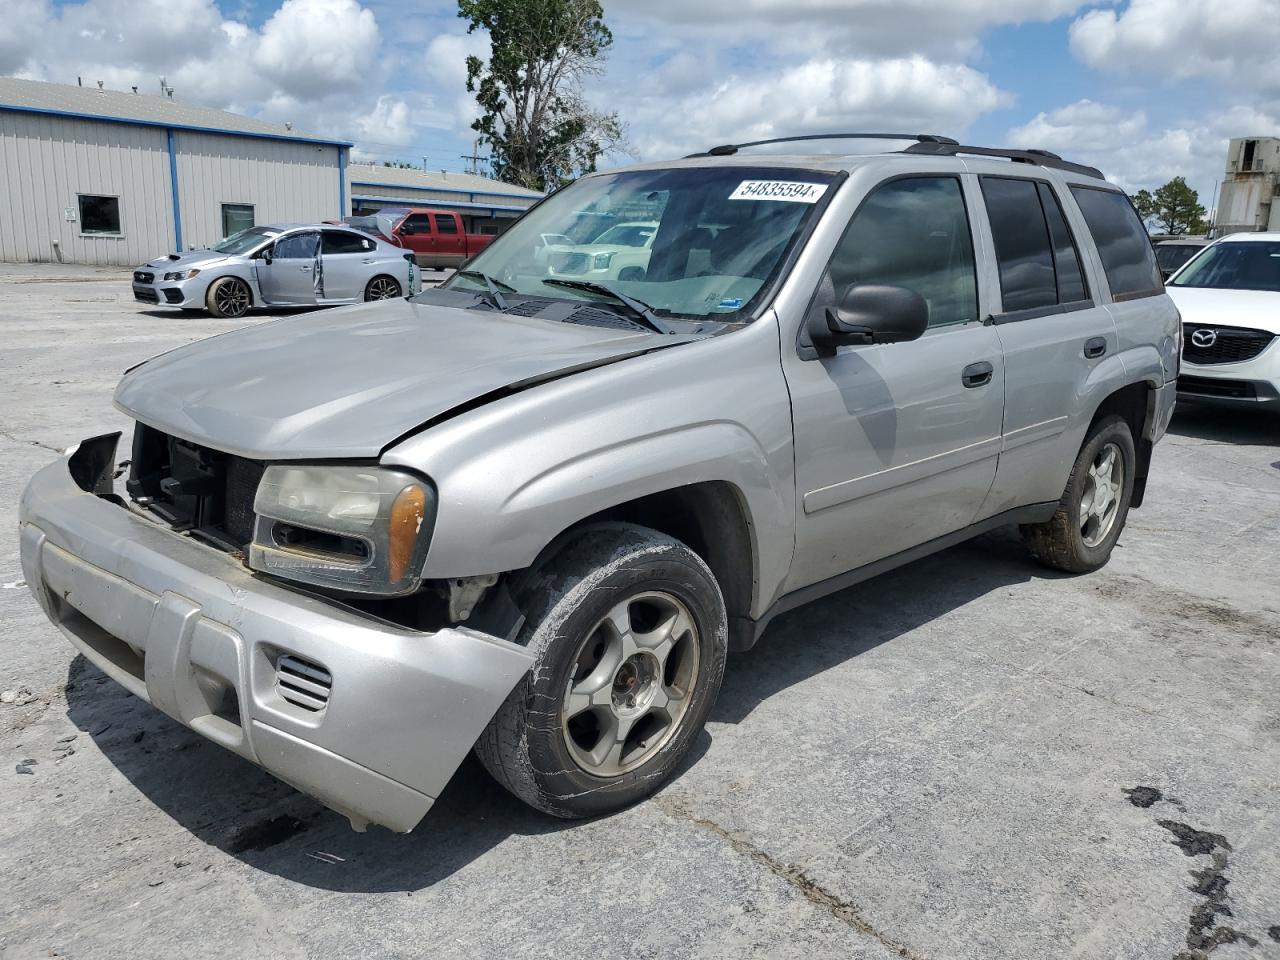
column 1100, row 500
column 383, row 288
column 631, row 685
column 232, row 299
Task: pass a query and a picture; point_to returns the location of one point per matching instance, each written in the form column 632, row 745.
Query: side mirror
column 265, row 256
column 407, row 231
column 870, row 313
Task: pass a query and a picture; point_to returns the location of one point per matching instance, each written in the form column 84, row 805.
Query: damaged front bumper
column 370, row 718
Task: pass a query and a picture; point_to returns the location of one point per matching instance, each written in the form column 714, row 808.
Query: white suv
column 1229, row 297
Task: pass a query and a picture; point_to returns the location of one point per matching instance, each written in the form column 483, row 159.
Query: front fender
column 516, row 473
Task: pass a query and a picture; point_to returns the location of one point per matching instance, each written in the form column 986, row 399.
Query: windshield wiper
column 491, row 285
column 638, row 307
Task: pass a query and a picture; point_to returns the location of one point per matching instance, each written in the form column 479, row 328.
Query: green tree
column 1145, row 204
column 540, row 130
column 1175, row 207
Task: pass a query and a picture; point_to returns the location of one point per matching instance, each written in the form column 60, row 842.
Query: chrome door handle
column 305, row 269
column 977, row 374
column 371, row 260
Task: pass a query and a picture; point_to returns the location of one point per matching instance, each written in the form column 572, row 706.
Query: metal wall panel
column 285, row 182
column 46, row 161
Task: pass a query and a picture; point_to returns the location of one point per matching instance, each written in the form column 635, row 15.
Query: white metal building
column 1250, row 186
column 487, row 206
column 102, row 177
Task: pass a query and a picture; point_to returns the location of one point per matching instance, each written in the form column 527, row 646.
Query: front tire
column 229, row 298
column 1079, row 538
column 629, row 633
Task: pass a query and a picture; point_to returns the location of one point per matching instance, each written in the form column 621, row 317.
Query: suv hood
column 348, row 382
column 1211, row 307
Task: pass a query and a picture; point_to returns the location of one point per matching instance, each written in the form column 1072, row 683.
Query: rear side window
column 1023, row 251
column 1123, row 245
column 1066, row 259
column 340, row 241
column 446, row 224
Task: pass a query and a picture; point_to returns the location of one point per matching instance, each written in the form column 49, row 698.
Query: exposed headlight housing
column 601, row 261
column 182, row 274
column 350, row 528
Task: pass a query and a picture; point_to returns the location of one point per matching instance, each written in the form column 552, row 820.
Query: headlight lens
column 182, row 275
column 601, row 261
column 360, row 529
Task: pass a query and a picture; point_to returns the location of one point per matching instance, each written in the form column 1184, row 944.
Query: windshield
column 716, row 238
column 244, row 241
column 1244, row 265
column 1171, row 256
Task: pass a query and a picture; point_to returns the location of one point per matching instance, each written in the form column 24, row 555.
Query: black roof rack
column 729, row 149
column 1042, row 158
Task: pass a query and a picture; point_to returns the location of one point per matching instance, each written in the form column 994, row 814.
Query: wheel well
column 1132, row 403
column 711, row 519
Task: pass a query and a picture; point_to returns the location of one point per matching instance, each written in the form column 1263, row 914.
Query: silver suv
column 532, row 514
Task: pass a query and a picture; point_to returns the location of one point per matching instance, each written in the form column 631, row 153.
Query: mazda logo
column 1204, row 339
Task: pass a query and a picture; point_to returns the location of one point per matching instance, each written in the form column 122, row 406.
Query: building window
column 99, row 215
column 236, row 217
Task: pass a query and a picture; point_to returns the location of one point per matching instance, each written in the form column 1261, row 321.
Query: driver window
column 296, row 246
column 913, row 233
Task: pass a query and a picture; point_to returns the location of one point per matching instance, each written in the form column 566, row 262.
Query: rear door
column 451, row 246
column 896, row 444
column 1052, row 333
column 348, row 263
column 292, row 278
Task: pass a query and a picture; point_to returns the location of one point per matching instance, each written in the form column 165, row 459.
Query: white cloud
column 882, row 27
column 445, row 64
column 909, row 94
column 1134, row 154
column 314, row 62
column 1185, row 38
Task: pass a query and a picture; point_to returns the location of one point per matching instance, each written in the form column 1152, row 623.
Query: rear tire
column 382, row 287
column 629, row 633
column 229, row 298
column 1079, row 538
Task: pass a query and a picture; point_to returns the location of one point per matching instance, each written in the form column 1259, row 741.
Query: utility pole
column 474, row 159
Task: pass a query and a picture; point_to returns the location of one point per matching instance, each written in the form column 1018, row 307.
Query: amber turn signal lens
column 407, row 513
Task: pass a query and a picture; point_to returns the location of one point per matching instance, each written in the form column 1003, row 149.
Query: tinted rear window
column 1123, row 244
column 1023, row 251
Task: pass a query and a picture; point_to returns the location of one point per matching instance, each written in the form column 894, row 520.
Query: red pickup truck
column 436, row 237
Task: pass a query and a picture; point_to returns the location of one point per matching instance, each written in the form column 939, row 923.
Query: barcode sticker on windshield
column 788, row 190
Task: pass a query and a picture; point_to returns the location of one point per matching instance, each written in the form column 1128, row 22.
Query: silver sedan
column 293, row 265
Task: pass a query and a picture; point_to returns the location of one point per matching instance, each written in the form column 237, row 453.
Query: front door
column 417, row 235
column 897, row 444
column 292, row 277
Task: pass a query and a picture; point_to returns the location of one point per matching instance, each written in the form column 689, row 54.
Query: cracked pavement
column 931, row 765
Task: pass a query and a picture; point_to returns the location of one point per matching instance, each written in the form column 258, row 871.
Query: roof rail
column 729, row 149
column 1042, row 158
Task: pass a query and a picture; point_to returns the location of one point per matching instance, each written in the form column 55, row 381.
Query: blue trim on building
column 426, row 202
column 173, row 184
column 532, row 198
column 164, row 125
column 342, row 181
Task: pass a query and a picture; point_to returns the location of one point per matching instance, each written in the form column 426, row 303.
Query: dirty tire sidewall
column 524, row 747
column 1059, row 542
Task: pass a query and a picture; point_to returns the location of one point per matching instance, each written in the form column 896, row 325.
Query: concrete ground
column 969, row 758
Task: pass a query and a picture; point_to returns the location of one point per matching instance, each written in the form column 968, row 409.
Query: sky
column 1144, row 89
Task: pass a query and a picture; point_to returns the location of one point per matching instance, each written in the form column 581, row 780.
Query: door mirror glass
column 871, row 313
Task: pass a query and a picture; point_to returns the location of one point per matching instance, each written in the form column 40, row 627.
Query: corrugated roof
column 365, row 173
column 59, row 98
